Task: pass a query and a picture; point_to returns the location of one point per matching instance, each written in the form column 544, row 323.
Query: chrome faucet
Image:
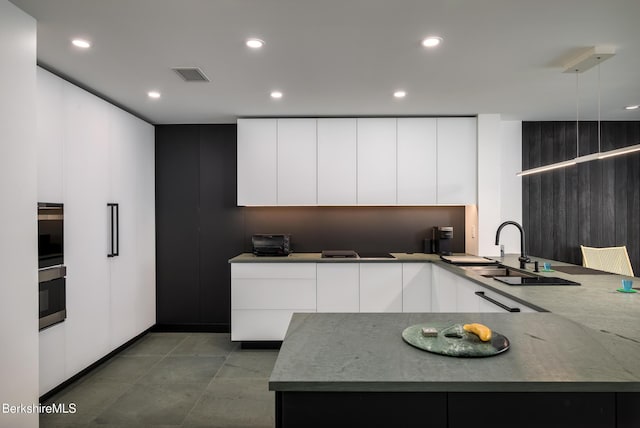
column 523, row 259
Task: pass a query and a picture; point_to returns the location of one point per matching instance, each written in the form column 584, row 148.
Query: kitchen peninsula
column 355, row 370
column 573, row 363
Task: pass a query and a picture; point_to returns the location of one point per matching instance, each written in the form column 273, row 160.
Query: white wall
column 510, row 184
column 499, row 189
column 18, row 216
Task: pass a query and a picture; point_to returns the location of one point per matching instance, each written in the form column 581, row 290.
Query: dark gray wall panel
column 220, row 221
column 594, row 203
column 199, row 226
column 177, row 195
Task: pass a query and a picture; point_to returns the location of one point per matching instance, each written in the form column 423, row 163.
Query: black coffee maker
column 441, row 237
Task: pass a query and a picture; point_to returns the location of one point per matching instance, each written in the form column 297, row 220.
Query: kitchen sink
column 498, row 270
column 511, row 276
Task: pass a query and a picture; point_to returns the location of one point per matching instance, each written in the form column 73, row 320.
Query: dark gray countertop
column 317, row 258
column 365, row 352
column 595, row 304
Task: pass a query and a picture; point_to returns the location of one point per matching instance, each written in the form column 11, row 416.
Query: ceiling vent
column 191, row 74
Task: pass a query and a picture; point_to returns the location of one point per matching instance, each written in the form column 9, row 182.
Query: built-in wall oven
column 52, row 272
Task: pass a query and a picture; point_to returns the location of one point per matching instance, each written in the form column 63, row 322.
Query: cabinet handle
column 114, row 210
column 495, row 302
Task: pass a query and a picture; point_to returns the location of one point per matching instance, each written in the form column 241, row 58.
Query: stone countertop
column 595, row 303
column 365, row 352
column 317, row 258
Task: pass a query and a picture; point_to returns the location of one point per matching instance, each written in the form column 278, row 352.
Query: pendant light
column 586, row 60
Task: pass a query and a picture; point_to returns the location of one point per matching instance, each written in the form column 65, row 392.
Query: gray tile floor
column 173, row 379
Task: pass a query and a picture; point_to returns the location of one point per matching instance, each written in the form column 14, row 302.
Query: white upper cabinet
column 377, row 164
column 50, row 129
column 297, row 162
column 357, row 161
column 337, row 178
column 457, row 161
column 257, row 162
column 417, row 148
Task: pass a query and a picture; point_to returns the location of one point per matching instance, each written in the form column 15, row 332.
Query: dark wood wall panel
column 594, row 203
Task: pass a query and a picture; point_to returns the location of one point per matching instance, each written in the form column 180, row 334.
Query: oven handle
column 51, row 273
column 114, row 210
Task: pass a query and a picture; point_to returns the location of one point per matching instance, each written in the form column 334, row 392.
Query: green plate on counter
column 622, row 290
column 453, row 341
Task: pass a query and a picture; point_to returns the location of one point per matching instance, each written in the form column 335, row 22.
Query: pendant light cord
column 599, row 133
column 577, row 113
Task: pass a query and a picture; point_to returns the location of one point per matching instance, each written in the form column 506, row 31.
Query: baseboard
column 85, row 371
column 191, row 328
column 261, row 344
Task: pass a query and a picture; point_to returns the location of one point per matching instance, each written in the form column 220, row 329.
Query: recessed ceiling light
column 399, row 94
column 431, row 41
column 255, row 43
column 81, row 43
column 632, row 107
column 153, row 94
column 276, row 94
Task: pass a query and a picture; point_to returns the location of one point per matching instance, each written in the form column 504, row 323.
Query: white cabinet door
column 337, row 162
column 444, row 291
column 338, row 287
column 257, row 162
column 417, row 174
column 132, row 284
column 467, row 300
column 416, row 287
column 297, row 162
column 377, row 162
column 86, row 188
column 50, row 130
column 260, row 324
column 264, row 295
column 380, row 287
column 457, row 160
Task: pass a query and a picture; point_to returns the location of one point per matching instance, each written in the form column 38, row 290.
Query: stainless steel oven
column 52, row 306
column 50, row 235
column 52, row 296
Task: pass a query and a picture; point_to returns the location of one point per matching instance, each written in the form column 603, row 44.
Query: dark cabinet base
column 356, row 409
column 458, row 410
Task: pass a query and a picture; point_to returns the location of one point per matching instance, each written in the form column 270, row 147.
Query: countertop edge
column 387, row 386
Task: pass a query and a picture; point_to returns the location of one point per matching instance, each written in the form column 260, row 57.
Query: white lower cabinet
column 257, row 324
column 338, row 286
column 494, row 302
column 443, row 291
column 453, row 293
column 380, row 287
column 416, row 287
column 264, row 295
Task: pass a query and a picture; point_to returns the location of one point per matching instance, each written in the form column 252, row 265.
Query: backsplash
column 389, row 229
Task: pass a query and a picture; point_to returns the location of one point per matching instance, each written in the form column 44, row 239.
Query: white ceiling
column 345, row 57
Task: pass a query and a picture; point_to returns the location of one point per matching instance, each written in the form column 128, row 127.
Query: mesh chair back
column 608, row 259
